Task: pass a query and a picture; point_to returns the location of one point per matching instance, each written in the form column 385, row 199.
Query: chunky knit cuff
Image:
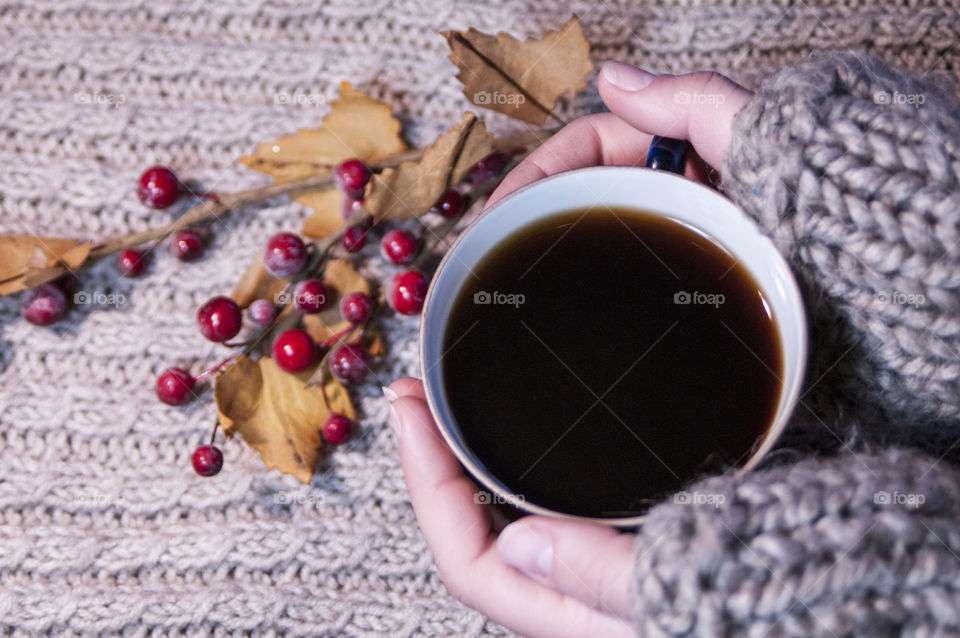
column 854, row 171
column 861, row 545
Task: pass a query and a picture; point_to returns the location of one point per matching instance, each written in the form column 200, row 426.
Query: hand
column 542, row 576
column 698, row 107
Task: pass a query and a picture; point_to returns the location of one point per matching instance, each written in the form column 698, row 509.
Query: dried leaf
column 356, row 126
column 276, row 414
column 521, row 79
column 340, row 278
column 21, row 257
column 410, row 189
column 257, row 283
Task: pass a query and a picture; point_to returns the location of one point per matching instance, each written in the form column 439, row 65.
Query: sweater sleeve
column 853, row 170
column 860, row 545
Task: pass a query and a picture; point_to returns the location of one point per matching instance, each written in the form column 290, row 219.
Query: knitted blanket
column 104, row 528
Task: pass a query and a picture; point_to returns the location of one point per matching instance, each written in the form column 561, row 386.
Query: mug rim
column 483, row 477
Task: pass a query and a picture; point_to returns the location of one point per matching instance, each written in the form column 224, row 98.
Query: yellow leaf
column 21, row 257
column 276, row 413
column 521, row 79
column 356, row 126
column 341, row 279
column 410, row 189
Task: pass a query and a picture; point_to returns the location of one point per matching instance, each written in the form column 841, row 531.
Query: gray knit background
column 105, row 530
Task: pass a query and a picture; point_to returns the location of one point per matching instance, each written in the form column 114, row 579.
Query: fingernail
column 393, row 418
column 526, row 549
column 626, row 77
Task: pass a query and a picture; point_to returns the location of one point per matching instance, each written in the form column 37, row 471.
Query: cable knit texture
column 104, row 529
column 857, row 545
column 854, row 170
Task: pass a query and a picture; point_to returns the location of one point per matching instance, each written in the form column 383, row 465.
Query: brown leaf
column 521, row 79
column 276, row 414
column 21, row 257
column 356, row 126
column 410, row 189
column 341, row 278
column 257, row 283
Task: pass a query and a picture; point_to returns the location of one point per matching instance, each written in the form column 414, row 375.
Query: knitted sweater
column 854, row 171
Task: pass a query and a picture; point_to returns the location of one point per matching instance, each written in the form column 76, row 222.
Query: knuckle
column 711, row 82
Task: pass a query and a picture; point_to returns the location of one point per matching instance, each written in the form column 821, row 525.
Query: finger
column 699, row 107
column 602, row 138
column 592, row 140
column 456, row 526
column 589, row 562
column 457, row 529
column 405, row 386
column 531, row 608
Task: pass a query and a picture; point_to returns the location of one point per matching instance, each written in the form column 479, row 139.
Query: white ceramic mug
column 653, row 191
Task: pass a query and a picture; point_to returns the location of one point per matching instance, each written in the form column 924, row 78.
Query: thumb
column 586, row 561
column 698, row 107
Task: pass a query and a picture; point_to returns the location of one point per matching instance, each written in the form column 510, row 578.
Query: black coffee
column 601, row 359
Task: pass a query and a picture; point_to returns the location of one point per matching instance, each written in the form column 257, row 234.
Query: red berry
column 488, row 168
column 207, row 460
column 336, row 429
column 349, row 206
column 406, row 292
column 174, row 386
column 43, row 305
column 131, row 263
column 351, row 177
column 348, row 363
column 353, row 238
column 399, row 246
column 219, row 319
column 186, row 244
column 294, row 350
column 262, row 312
column 450, row 205
column 356, row 307
column 285, row 255
column 310, row 296
column 158, row 187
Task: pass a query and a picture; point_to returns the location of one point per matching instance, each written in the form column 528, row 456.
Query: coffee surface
column 601, row 359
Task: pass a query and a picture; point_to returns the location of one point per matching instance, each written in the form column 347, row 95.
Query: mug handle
column 667, row 154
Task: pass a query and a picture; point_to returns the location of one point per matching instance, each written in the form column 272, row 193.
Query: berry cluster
column 285, row 256
column 158, row 187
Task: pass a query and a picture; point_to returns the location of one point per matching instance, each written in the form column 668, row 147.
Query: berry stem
column 337, row 337
column 213, row 435
column 219, row 204
column 215, row 368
